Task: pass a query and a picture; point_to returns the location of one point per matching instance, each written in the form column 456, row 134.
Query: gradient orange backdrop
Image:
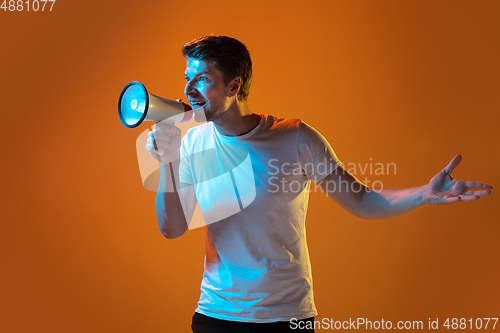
column 405, row 82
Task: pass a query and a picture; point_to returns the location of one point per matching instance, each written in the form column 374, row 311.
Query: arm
column 373, row 203
column 175, row 202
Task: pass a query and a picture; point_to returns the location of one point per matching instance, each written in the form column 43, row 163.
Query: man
column 257, row 272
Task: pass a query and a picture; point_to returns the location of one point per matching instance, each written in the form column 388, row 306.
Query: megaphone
column 136, row 105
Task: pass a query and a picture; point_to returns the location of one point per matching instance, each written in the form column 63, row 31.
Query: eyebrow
column 204, row 72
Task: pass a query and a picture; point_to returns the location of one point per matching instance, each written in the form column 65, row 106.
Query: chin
column 211, row 116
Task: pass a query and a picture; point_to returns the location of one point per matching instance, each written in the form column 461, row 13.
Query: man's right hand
column 164, row 142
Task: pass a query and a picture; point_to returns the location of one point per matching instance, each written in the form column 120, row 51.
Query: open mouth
column 197, row 105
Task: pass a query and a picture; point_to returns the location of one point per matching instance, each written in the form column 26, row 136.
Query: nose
column 189, row 89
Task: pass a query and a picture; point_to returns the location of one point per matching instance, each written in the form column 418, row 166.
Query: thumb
column 453, row 164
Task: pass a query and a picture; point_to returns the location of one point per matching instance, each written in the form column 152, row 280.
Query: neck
column 237, row 120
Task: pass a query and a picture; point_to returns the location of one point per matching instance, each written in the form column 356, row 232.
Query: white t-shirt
column 257, row 266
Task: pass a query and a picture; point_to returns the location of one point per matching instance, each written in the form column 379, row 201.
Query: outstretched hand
column 444, row 189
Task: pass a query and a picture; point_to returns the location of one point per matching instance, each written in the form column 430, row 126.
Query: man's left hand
column 444, row 189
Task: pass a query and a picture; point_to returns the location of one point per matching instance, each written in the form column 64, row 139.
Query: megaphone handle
column 165, row 121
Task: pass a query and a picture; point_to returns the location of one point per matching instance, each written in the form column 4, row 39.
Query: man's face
column 205, row 88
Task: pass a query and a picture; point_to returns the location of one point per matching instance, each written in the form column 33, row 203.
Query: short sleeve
column 317, row 157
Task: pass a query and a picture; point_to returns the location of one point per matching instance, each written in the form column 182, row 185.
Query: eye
column 203, row 79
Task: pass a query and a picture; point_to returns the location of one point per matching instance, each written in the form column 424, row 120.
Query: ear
column 234, row 86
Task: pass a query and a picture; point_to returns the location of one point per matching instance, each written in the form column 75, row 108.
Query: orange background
column 405, row 82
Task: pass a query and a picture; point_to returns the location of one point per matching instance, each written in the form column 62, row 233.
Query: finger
column 479, row 193
column 477, row 185
column 153, row 151
column 161, row 135
column 157, row 141
column 166, row 128
column 161, row 143
column 151, row 145
column 154, row 145
column 157, row 151
column 467, row 198
column 453, row 164
column 151, row 136
column 450, row 199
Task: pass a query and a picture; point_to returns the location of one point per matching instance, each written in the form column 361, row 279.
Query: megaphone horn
column 136, row 105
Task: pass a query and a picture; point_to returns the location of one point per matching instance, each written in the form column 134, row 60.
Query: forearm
column 381, row 203
column 169, row 206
